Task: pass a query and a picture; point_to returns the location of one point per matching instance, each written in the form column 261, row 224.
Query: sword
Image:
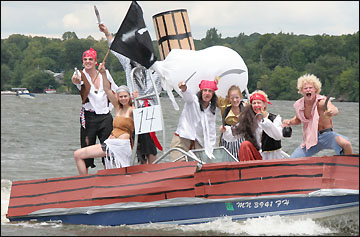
column 328, row 98
column 184, row 83
column 326, row 103
column 238, row 71
column 97, row 15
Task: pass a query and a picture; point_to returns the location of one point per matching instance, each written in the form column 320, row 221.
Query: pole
column 102, row 63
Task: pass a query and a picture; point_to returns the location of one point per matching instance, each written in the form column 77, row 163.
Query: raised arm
column 106, row 83
column 105, row 30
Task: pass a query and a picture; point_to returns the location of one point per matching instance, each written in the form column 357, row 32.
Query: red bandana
column 90, row 53
column 258, row 96
column 205, row 84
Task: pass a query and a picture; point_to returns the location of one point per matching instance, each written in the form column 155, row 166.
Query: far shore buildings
column 59, row 76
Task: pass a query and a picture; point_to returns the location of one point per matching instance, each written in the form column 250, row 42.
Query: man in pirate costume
column 315, row 112
column 95, row 117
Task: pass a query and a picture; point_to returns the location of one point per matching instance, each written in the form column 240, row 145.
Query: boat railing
column 184, row 154
column 134, row 71
column 221, row 154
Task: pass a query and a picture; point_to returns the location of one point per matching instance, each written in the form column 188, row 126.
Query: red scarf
column 152, row 134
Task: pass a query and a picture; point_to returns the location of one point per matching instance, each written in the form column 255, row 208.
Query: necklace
column 94, row 81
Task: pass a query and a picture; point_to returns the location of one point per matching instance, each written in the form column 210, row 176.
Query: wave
column 269, row 225
column 5, row 196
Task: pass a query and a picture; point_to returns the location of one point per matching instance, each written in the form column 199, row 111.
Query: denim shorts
column 326, row 140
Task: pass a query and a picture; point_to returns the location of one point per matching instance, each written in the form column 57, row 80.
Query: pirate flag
column 133, row 39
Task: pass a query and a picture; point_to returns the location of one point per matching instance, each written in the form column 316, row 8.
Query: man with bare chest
column 315, row 112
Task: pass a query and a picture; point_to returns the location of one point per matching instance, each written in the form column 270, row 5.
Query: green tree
column 72, row 54
column 327, row 68
column 256, row 71
column 259, row 46
column 54, row 52
column 212, row 37
column 347, row 84
column 37, row 80
column 281, row 84
column 5, row 77
column 69, row 35
column 17, row 74
column 350, row 49
column 273, row 51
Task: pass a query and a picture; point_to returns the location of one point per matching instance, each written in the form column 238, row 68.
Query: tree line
column 274, row 61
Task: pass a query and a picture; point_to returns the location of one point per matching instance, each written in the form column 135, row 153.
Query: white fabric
column 118, row 153
column 98, row 102
column 203, row 123
column 207, row 63
column 277, row 154
column 273, row 129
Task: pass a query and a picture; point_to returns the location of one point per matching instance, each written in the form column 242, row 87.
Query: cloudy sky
column 53, row 18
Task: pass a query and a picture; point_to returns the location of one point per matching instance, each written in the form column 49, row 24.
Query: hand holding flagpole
column 107, row 53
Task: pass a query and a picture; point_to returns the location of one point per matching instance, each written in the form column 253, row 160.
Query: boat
column 8, row 93
column 23, row 93
column 50, row 91
column 193, row 191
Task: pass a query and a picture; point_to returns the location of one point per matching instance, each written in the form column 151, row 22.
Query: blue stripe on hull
column 199, row 213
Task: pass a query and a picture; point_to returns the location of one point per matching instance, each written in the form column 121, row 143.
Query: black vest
column 268, row 143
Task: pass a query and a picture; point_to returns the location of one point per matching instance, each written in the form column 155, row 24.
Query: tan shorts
column 184, row 144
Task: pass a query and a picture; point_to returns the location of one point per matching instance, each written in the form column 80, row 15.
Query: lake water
column 39, row 137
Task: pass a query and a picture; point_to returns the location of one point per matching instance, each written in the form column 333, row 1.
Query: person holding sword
column 315, row 112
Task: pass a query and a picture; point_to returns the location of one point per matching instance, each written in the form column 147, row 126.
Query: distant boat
column 23, row 93
column 8, row 93
column 50, row 91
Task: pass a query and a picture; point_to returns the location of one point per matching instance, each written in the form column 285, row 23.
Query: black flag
column 133, row 39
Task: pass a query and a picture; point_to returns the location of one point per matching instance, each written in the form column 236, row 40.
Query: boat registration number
column 263, row 204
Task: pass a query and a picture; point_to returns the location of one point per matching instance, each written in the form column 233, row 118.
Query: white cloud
column 71, row 21
column 229, row 17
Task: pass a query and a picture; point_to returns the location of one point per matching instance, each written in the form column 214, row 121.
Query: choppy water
column 38, row 138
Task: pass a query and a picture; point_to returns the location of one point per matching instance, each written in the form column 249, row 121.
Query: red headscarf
column 258, row 96
column 205, row 84
column 90, row 53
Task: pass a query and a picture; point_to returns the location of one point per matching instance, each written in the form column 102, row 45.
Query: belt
column 326, row 130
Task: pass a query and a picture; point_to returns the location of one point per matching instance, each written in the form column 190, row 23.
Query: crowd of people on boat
column 248, row 130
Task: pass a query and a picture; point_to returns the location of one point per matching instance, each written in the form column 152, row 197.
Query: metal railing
column 155, row 93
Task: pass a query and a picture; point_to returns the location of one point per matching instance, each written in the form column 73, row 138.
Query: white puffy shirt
column 98, row 102
column 273, row 129
column 191, row 121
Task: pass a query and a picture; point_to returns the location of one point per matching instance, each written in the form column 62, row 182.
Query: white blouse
column 98, row 102
column 202, row 122
column 273, row 129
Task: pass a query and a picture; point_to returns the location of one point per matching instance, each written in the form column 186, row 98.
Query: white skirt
column 277, row 154
column 118, row 153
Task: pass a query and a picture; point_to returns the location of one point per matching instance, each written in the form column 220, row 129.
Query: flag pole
column 107, row 53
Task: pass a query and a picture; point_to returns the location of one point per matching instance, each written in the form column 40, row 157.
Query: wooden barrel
column 173, row 31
